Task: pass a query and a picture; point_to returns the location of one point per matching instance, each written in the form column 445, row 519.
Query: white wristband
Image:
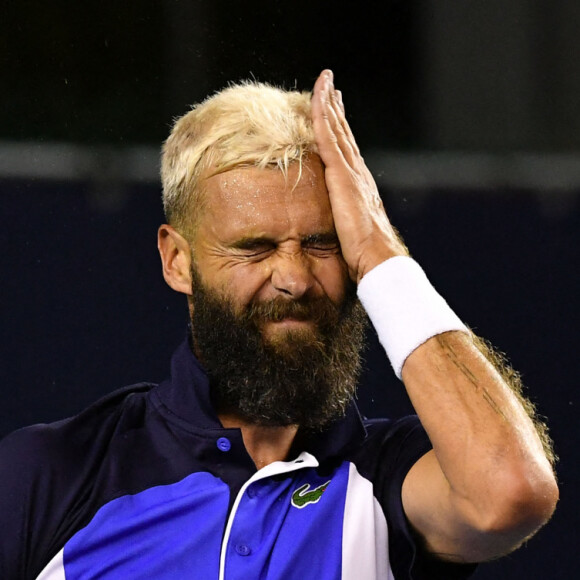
column 404, row 308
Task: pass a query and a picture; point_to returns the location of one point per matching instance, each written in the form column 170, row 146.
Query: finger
column 341, row 128
column 323, row 121
column 344, row 138
column 339, row 98
column 327, row 104
column 339, row 109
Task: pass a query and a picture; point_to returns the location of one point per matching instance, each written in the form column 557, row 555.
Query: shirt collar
column 186, row 393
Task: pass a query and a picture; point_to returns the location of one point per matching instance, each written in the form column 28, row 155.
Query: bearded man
column 252, row 461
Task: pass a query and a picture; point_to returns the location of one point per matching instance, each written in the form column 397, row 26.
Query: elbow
column 522, row 504
column 530, row 499
column 544, row 499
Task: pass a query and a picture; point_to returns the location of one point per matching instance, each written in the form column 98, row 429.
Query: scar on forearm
column 452, row 356
column 493, row 404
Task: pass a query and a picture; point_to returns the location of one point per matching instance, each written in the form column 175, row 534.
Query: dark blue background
column 83, row 306
column 84, row 310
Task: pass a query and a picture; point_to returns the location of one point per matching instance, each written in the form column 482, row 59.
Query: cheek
column 332, row 275
column 244, row 282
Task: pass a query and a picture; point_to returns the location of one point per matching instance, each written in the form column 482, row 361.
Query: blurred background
column 467, row 112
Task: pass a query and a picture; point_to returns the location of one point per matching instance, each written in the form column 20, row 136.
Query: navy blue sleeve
column 29, row 504
column 391, row 449
column 48, row 480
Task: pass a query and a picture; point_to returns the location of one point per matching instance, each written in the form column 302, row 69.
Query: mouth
column 291, row 322
column 286, row 326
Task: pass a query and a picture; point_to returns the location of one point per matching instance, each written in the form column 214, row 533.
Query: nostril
column 291, row 275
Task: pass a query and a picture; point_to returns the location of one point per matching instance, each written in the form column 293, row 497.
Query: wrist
column 404, row 308
column 377, row 256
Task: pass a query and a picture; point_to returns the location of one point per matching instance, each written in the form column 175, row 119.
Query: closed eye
column 253, row 246
column 317, row 244
column 321, row 243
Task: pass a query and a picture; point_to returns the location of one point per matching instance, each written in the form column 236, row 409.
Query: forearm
column 490, row 476
column 486, row 443
column 452, row 372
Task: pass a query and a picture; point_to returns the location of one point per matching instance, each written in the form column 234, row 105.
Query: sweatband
column 404, row 308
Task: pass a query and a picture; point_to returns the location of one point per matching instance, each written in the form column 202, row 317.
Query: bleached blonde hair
column 249, row 124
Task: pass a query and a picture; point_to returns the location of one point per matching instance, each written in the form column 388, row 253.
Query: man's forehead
column 254, row 202
column 255, row 187
column 305, row 174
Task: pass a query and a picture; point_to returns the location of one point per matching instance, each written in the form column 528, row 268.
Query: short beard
column 303, row 377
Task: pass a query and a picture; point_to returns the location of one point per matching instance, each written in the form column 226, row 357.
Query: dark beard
column 305, row 377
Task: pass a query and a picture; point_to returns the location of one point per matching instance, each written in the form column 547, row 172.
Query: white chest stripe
column 55, row 569
column 365, row 537
column 276, row 468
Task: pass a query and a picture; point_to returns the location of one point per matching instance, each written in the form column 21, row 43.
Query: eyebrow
column 251, row 242
column 324, row 239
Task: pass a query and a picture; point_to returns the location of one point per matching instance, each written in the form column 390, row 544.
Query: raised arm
column 488, row 483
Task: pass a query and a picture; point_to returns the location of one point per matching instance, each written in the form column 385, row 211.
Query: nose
column 292, row 275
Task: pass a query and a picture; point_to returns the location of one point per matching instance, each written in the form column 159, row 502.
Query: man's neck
column 264, row 444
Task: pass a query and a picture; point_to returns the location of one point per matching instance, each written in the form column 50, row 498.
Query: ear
column 175, row 258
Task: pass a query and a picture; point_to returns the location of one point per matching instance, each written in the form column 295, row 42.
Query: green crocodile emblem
column 304, row 496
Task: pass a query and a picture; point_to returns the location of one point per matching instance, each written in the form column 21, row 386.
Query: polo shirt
column 146, row 483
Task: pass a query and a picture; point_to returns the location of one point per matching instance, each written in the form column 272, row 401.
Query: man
column 252, row 460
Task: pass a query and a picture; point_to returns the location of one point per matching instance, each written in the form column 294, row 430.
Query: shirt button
column 243, row 550
column 223, row 444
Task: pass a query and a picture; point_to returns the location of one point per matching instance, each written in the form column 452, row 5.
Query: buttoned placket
column 243, row 548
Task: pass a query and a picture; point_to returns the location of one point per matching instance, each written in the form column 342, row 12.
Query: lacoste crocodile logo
column 304, row 496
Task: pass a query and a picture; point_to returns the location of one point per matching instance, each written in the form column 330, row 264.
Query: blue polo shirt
column 146, row 483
